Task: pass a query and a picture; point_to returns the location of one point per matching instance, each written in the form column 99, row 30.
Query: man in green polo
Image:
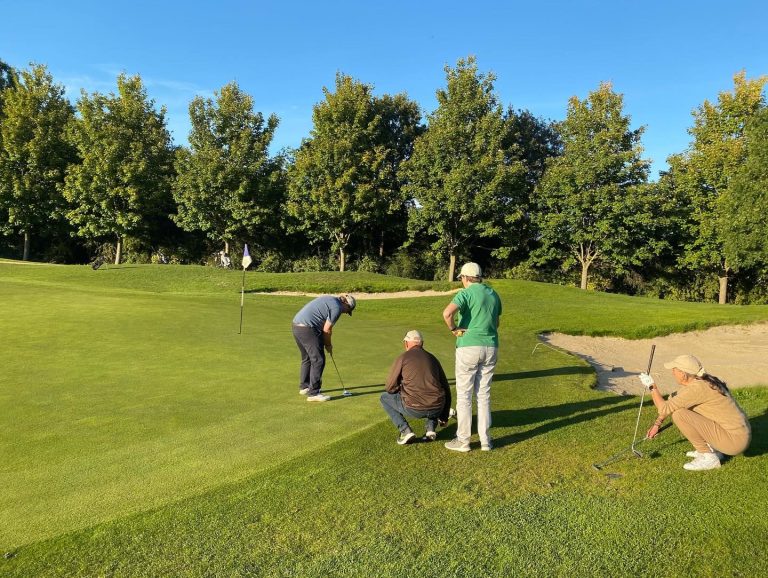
column 478, row 308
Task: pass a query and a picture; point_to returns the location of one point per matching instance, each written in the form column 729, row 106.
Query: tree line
column 375, row 186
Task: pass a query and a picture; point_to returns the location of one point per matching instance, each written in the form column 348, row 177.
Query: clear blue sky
column 666, row 57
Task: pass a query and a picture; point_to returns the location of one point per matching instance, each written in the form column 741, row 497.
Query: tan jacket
column 698, row 396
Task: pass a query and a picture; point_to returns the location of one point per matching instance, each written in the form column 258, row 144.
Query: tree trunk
column 226, row 247
column 723, row 297
column 342, row 260
column 584, row 274
column 452, row 267
column 26, row 246
column 119, row 251
column 381, row 246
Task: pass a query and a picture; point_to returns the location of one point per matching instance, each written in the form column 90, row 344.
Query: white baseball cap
column 471, row 270
column 413, row 335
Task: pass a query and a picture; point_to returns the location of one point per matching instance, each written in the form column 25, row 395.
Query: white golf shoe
column 318, row 397
column 696, row 454
column 704, row 461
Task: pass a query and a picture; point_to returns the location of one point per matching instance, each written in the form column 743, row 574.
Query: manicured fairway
column 142, row 436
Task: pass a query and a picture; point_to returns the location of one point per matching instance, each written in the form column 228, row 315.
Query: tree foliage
column 705, row 171
column 744, row 206
column 34, row 153
column 227, row 185
column 592, row 200
column 343, row 179
column 458, row 175
column 126, row 163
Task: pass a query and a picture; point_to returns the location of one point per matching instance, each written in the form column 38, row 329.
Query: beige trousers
column 704, row 433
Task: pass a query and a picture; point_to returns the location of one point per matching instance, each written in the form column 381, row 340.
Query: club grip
column 650, row 359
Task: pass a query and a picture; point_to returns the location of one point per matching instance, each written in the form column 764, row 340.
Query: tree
column 338, row 181
column 127, row 164
column 463, row 186
column 744, row 205
column 34, row 153
column 591, row 201
column 704, row 172
column 227, row 185
column 530, row 141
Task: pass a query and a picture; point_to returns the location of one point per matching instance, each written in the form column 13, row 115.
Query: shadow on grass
column 568, row 370
column 356, row 389
column 554, row 417
column 759, row 444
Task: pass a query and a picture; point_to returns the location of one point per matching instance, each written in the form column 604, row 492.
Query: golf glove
column 646, row 380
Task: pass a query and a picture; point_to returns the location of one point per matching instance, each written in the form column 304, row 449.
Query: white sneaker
column 304, row 391
column 704, row 461
column 486, row 447
column 430, row 436
column 457, row 445
column 318, row 397
column 406, row 438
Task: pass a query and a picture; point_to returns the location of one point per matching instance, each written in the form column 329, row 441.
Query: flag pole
column 242, row 298
column 246, row 262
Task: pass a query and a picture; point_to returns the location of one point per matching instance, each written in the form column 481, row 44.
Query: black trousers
column 310, row 345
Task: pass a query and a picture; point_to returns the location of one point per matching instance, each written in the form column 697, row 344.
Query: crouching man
column 416, row 387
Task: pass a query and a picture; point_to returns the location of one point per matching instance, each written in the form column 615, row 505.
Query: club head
column 638, row 453
column 597, row 467
column 347, row 393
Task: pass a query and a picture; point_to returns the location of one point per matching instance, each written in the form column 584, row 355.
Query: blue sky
column 666, row 57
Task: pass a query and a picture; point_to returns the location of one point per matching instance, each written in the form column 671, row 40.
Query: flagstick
column 242, row 296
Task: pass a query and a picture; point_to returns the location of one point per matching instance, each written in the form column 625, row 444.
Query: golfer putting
column 312, row 329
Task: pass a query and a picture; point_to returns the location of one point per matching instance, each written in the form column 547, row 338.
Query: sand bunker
column 737, row 354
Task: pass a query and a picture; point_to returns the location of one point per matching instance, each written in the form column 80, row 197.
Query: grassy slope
column 186, row 450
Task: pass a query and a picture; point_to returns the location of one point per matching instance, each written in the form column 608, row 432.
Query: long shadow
column 379, row 388
column 759, row 444
column 567, row 370
column 554, row 417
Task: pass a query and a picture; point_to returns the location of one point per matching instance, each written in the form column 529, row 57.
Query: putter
column 631, row 448
column 345, row 393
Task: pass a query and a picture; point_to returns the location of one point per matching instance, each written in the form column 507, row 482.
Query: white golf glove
column 646, row 380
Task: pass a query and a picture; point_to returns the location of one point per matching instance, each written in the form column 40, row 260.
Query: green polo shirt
column 479, row 309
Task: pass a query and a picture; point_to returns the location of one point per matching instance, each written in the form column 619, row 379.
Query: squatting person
column 477, row 344
column 704, row 411
column 312, row 328
column 416, row 387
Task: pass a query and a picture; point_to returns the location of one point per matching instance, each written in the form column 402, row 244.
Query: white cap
column 413, row 335
column 470, row 270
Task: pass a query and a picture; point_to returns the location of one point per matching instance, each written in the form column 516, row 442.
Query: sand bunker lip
column 364, row 296
column 735, row 353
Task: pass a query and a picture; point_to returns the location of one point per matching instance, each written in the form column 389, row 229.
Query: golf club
column 642, row 397
column 345, row 393
column 631, row 448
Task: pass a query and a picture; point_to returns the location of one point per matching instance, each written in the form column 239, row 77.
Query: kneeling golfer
column 312, row 329
column 416, row 387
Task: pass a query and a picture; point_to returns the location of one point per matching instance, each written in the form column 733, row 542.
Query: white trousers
column 474, row 373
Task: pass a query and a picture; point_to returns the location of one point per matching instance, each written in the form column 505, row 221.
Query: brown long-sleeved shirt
column 421, row 381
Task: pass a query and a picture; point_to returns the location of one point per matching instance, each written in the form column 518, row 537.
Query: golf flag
column 246, row 257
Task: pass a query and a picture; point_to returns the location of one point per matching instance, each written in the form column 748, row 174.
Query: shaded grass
column 144, row 437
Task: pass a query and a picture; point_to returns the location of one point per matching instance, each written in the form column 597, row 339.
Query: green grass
column 142, row 436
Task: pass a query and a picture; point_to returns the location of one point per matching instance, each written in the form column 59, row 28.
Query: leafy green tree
column 227, row 184
column 744, row 206
column 704, row 172
column 458, row 174
column 126, row 170
column 338, row 181
column 34, row 153
column 592, row 203
column 530, row 141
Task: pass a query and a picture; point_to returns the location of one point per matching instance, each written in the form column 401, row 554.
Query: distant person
column 704, row 411
column 416, row 387
column 312, row 327
column 477, row 344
